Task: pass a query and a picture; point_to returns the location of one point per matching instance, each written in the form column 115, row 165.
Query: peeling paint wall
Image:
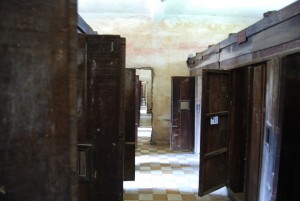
column 165, row 45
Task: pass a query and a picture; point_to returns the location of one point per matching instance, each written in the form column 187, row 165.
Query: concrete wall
column 165, row 45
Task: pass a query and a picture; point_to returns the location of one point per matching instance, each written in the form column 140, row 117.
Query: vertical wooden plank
column 83, row 184
column 137, row 106
column 81, row 89
column 239, row 129
column 38, row 100
column 122, row 56
column 130, row 127
column 175, row 114
column 256, row 133
column 271, row 145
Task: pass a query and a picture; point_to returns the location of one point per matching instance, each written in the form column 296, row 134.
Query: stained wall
column 165, row 45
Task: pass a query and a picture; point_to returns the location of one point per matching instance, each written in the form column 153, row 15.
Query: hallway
column 164, row 175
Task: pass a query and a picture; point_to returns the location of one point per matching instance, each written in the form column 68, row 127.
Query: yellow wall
column 165, row 45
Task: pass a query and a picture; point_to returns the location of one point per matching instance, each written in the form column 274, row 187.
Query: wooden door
column 105, row 115
column 182, row 113
column 255, row 137
column 130, row 125
column 214, row 130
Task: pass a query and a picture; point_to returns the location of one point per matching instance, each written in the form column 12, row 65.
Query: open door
column 130, row 124
column 214, row 130
column 182, row 113
column 100, row 117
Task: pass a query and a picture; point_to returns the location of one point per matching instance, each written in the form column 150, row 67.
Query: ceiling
column 160, row 9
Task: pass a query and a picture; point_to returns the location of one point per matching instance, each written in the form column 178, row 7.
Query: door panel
column 214, row 131
column 130, row 127
column 182, row 113
column 105, row 115
column 216, row 176
column 83, row 181
column 81, row 89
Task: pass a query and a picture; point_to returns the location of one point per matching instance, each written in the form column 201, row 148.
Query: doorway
column 145, row 76
column 247, row 122
column 232, row 128
column 289, row 165
column 164, row 174
column 137, row 118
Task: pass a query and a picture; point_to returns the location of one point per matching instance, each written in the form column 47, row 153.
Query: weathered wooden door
column 101, row 147
column 214, row 130
column 182, row 113
column 130, row 124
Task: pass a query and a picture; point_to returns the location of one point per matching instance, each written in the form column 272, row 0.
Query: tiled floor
column 163, row 175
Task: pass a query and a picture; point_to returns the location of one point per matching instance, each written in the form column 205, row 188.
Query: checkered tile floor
column 164, row 175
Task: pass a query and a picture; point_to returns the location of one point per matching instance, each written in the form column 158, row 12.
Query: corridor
column 164, row 175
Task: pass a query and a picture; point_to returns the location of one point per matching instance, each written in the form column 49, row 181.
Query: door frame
column 231, row 123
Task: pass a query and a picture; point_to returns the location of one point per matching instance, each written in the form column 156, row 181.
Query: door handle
column 174, row 126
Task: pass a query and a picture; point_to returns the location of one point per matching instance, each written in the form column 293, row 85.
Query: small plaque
column 184, row 105
column 214, row 120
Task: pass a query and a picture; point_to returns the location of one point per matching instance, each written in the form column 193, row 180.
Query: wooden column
column 38, row 100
